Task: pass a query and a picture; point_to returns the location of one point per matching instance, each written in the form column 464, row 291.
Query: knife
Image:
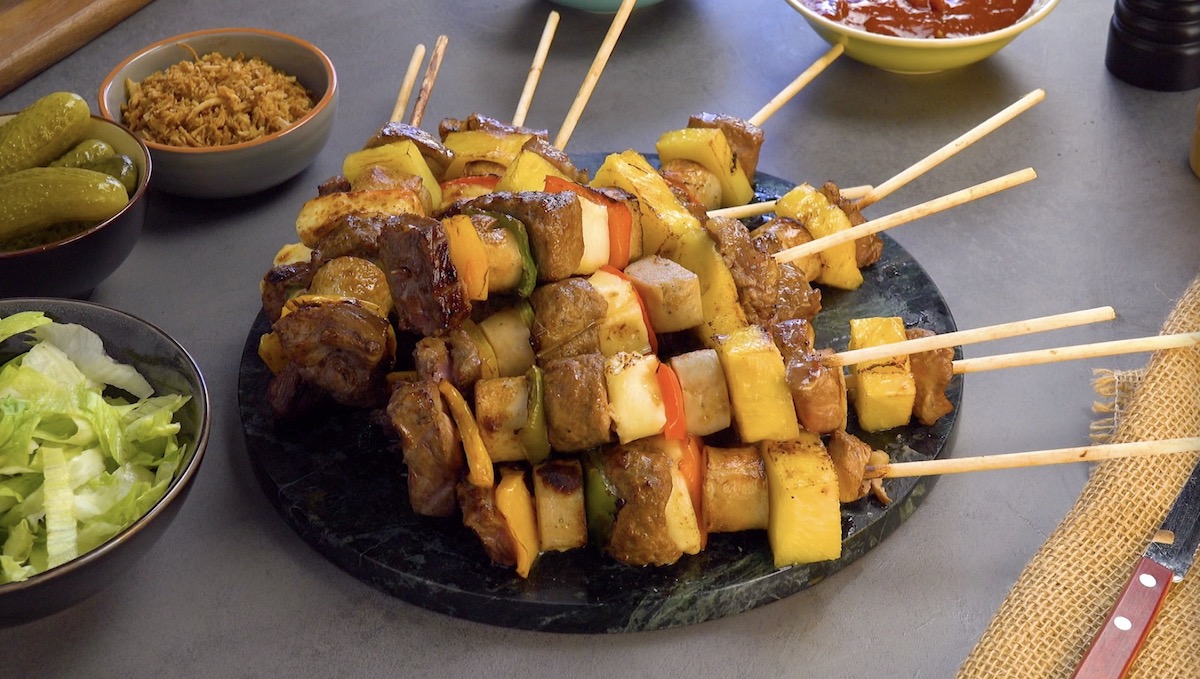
column 1164, row 563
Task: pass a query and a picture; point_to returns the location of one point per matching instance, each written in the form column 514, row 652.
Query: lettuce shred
column 86, row 448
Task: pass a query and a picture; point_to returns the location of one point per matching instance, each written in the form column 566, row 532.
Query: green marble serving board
column 339, row 482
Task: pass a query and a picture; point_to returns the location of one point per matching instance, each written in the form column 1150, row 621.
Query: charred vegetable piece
column 559, row 499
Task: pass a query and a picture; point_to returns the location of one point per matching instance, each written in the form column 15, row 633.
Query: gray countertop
column 1113, row 219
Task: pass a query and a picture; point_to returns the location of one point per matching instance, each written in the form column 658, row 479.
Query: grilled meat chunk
column 481, row 515
column 641, row 475
column 782, row 233
column 767, row 291
column 431, row 359
column 335, row 184
column 554, row 222
column 476, row 121
column 437, row 155
column 341, row 348
column 868, row 249
column 432, row 452
column 932, row 371
column 281, row 283
column 427, row 293
column 566, row 318
column 561, row 161
column 850, row 455
column 291, row 396
column 576, row 403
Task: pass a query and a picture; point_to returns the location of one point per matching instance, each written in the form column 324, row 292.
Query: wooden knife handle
column 1115, row 647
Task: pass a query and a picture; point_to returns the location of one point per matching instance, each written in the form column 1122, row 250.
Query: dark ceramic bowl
column 169, row 369
column 72, row 267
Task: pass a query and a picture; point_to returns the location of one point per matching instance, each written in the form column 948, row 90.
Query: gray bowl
column 169, row 368
column 235, row 169
column 73, row 266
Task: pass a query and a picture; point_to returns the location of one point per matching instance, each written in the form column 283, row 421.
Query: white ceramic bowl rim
column 326, row 97
column 143, row 182
column 1035, row 14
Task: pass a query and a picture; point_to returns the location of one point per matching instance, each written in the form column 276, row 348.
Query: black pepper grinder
column 1155, row 44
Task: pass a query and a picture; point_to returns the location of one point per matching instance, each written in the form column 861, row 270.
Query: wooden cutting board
column 35, row 34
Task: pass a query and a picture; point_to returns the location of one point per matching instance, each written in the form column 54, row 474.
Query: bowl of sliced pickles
column 72, row 188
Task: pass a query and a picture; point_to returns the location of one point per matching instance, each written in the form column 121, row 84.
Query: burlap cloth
column 1064, row 595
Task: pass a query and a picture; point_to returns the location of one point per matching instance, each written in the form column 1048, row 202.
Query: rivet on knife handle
column 1115, row 647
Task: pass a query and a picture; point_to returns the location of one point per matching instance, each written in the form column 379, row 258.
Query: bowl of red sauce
column 921, row 36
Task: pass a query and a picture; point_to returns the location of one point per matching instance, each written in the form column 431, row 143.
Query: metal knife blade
column 1164, row 562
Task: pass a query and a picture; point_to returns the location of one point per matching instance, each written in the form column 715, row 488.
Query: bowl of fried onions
column 225, row 112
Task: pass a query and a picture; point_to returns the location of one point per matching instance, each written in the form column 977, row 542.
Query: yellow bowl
column 919, row 55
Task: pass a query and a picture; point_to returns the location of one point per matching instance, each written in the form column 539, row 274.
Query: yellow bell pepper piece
column 479, row 463
column 515, row 504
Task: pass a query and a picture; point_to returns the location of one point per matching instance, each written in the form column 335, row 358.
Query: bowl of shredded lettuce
column 104, row 419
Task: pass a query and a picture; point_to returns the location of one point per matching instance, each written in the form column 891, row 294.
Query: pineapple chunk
column 624, row 326
column 401, row 156
column 634, row 397
column 821, row 218
column 558, row 495
column 758, row 390
column 318, row 216
column 884, row 390
column 723, row 315
column 664, row 219
column 709, row 147
column 471, row 146
column 528, row 172
column 501, row 410
column 515, row 504
column 705, row 396
column 670, row 292
column 805, row 521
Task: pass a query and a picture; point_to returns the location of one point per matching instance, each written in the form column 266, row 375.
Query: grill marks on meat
column 341, row 348
column 567, row 317
column 576, row 403
column 932, row 371
column 432, row 452
column 428, row 295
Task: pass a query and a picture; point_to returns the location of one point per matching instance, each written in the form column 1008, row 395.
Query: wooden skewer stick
column 1035, row 458
column 762, row 208
column 796, row 85
column 1076, row 352
column 970, row 137
column 535, row 70
column 431, row 71
column 907, row 215
column 410, row 78
column 984, row 334
column 1079, row 351
column 593, row 74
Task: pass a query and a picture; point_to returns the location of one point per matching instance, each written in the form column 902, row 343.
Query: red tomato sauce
column 924, row 18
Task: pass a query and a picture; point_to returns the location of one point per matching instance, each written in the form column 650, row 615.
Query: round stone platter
column 339, row 482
